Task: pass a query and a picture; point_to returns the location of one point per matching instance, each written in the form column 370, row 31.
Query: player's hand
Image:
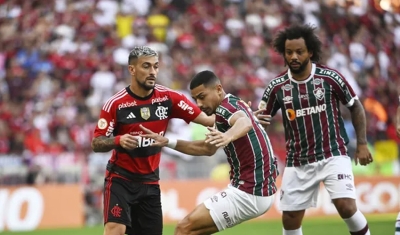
column 217, row 138
column 264, row 119
column 363, row 156
column 128, row 142
column 159, row 140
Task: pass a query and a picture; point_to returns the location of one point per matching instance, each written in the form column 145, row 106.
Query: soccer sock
column 397, row 225
column 293, row 232
column 357, row 224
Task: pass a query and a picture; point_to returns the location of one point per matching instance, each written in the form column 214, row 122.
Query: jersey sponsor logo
column 287, row 99
column 102, row 124
column 335, row 77
column 126, row 105
column 159, row 99
column 220, row 111
column 317, row 81
column 110, row 129
column 145, row 113
column 144, row 142
column 303, row 96
column 184, row 106
column 293, row 114
column 287, row 87
column 319, row 93
column 161, row 112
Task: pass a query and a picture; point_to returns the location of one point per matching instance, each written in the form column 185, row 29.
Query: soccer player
column 308, row 94
column 132, row 203
column 249, row 153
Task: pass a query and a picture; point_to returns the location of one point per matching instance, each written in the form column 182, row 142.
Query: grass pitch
column 378, row 224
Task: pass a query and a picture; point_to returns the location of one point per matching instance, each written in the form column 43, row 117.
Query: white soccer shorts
column 233, row 206
column 300, row 185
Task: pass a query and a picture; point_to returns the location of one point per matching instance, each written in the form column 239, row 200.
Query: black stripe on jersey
column 140, row 152
column 144, row 113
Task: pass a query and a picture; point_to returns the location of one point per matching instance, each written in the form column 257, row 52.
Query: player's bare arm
column 195, row 148
column 241, row 125
column 105, row 144
column 205, row 120
column 363, row 156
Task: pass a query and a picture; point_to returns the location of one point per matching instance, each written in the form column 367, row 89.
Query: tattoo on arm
column 359, row 122
column 103, row 144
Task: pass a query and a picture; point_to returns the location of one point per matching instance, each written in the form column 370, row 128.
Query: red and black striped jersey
column 124, row 113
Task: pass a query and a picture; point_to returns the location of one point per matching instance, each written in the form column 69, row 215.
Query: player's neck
column 139, row 91
column 303, row 75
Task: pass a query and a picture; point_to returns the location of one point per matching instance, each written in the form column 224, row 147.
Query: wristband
column 117, row 139
column 172, row 143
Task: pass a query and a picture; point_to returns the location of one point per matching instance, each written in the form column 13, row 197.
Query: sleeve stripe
column 107, row 106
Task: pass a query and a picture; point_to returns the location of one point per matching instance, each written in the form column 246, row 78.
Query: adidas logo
column 130, row 116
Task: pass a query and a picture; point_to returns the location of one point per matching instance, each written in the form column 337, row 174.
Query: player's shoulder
column 327, row 72
column 280, row 79
column 116, row 99
column 161, row 90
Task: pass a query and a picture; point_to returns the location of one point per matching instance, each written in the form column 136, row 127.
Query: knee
column 292, row 219
column 114, row 229
column 184, row 226
column 346, row 207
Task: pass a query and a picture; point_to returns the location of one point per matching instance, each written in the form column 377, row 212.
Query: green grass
column 379, row 225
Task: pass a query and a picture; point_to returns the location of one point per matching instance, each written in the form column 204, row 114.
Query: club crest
column 319, row 93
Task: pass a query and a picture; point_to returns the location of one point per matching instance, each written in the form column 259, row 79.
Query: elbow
column 93, row 145
column 210, row 153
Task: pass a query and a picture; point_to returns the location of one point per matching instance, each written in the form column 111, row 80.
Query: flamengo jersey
column 252, row 162
column 314, row 128
column 125, row 111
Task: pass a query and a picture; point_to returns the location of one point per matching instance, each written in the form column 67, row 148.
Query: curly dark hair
column 299, row 31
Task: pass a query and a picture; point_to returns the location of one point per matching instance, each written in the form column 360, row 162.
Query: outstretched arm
column 195, row 148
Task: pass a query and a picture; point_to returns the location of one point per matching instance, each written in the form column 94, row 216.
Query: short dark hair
column 205, row 78
column 139, row 52
column 297, row 31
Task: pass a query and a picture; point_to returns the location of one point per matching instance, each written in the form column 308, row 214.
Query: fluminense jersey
column 124, row 113
column 314, row 128
column 253, row 165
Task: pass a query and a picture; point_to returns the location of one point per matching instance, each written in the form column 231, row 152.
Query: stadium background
column 60, row 60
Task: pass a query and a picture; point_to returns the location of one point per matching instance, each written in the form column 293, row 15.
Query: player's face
column 144, row 71
column 207, row 98
column 297, row 56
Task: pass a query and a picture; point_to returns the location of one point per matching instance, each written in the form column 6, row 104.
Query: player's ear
column 219, row 89
column 131, row 69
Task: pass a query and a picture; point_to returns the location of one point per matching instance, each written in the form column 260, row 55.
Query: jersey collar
column 313, row 67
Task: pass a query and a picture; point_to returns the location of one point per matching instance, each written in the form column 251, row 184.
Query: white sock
column 357, row 224
column 293, row 232
column 397, row 225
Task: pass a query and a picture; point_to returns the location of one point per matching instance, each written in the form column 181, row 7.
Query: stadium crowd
column 60, row 60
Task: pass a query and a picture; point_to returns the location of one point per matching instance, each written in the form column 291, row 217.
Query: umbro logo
column 130, row 116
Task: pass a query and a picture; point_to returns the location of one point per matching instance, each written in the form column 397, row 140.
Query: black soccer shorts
column 136, row 205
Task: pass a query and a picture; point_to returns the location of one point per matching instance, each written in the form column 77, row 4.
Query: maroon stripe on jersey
column 270, row 105
column 339, row 138
column 293, row 126
column 107, row 199
column 308, row 122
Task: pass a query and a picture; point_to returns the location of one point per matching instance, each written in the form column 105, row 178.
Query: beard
column 145, row 85
column 299, row 69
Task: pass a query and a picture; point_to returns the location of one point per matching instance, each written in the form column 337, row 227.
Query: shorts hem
column 300, row 207
column 214, row 217
column 126, row 223
column 343, row 195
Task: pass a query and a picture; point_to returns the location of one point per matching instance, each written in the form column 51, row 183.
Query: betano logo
column 293, row 114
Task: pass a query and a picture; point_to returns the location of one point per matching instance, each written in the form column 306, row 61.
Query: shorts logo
column 281, row 196
column 102, row 124
column 116, row 211
column 214, row 199
column 229, row 222
column 344, row 177
column 349, row 187
column 223, row 194
column 145, row 113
